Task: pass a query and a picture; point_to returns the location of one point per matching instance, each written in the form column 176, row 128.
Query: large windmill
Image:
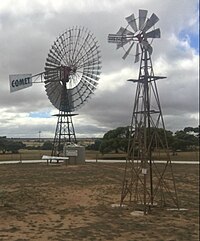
column 146, row 183
column 71, row 75
column 72, row 72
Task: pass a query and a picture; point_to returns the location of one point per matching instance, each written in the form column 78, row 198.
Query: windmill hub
column 65, row 72
column 139, row 35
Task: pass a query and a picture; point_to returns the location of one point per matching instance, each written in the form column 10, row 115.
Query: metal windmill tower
column 146, row 183
column 71, row 75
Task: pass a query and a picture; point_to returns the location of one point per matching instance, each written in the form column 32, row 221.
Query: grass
column 95, row 155
column 58, row 202
column 24, row 155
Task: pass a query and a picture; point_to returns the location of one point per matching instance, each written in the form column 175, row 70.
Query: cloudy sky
column 28, row 29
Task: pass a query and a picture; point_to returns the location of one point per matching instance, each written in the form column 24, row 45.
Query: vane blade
column 88, row 82
column 95, row 67
column 128, row 51
column 132, row 22
column 153, row 34
column 150, row 22
column 94, row 72
column 124, row 31
column 119, row 45
column 52, row 60
column 137, row 53
column 53, row 90
column 55, row 99
column 125, row 39
column 51, row 65
column 147, row 46
column 87, row 88
column 52, row 57
column 124, row 42
column 142, row 18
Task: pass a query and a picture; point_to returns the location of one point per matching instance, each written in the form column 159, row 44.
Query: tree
column 8, row 145
column 94, row 146
column 14, row 146
column 3, row 143
column 161, row 133
column 115, row 140
column 48, row 145
column 184, row 141
column 192, row 129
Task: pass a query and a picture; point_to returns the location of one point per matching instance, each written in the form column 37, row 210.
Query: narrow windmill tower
column 146, row 182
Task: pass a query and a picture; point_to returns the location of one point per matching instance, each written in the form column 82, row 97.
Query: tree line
column 116, row 140
column 8, row 145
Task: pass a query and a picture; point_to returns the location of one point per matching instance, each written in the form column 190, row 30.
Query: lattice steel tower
column 146, row 182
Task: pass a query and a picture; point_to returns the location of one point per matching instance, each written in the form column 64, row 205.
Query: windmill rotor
column 139, row 33
column 72, row 69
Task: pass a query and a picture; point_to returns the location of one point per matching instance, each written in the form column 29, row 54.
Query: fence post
column 96, row 157
column 20, row 157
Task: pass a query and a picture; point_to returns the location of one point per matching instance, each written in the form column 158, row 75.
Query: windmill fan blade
column 123, row 31
column 132, row 21
column 137, row 53
column 119, row 45
column 142, row 18
column 128, row 51
column 150, row 22
column 153, row 34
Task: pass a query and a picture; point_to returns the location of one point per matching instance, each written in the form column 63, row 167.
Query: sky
column 29, row 28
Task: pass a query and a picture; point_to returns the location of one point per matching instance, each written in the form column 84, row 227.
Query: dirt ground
column 58, row 202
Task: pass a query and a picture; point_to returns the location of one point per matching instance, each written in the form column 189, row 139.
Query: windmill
column 72, row 71
column 146, row 183
column 71, row 75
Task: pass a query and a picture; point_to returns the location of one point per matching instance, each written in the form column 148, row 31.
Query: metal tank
column 76, row 154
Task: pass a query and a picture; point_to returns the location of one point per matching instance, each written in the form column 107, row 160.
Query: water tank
column 75, row 153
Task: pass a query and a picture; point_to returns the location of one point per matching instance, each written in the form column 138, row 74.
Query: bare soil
column 58, row 202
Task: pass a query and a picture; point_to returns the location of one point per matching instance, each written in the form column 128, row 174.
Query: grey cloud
column 25, row 40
